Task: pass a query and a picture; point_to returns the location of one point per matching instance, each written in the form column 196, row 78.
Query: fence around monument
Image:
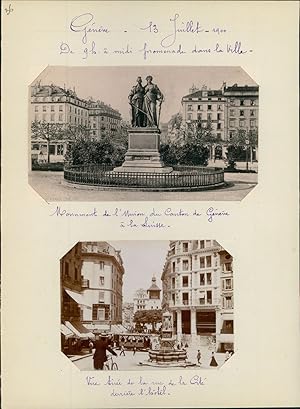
column 181, row 177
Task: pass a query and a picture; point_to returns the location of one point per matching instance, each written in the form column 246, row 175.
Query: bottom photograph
column 142, row 305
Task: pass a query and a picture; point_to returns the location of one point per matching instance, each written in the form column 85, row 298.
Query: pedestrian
column 122, row 350
column 227, row 356
column 199, row 357
column 91, row 346
column 101, row 346
column 213, row 361
column 134, row 350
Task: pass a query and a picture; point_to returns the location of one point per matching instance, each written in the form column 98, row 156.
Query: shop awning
column 118, row 329
column 79, row 329
column 77, row 297
column 66, row 331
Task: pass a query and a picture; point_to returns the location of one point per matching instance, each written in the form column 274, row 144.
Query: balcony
column 185, row 302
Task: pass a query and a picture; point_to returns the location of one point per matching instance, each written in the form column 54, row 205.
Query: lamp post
column 247, row 146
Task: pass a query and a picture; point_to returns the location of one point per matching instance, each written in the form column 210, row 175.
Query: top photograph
column 143, row 133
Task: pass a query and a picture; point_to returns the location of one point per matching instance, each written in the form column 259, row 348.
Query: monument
column 143, row 168
column 167, row 354
column 144, row 135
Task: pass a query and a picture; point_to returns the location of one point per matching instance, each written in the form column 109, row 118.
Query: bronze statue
column 143, row 101
column 151, row 97
column 136, row 100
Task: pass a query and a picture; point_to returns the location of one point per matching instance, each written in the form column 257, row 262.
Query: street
column 131, row 362
column 52, row 188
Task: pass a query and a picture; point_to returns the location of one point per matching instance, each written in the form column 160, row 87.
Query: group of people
column 213, row 361
column 143, row 100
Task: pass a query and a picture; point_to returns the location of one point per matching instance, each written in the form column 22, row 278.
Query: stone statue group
column 144, row 100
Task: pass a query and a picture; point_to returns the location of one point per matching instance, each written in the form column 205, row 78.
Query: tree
column 85, row 151
column 242, row 140
column 142, row 317
column 48, row 132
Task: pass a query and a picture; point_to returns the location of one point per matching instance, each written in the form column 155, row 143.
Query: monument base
column 143, row 152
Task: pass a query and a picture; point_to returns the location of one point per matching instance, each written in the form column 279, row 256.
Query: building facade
column 198, row 290
column 57, row 105
column 147, row 299
column 95, row 273
column 229, row 109
column 103, row 120
column 53, row 104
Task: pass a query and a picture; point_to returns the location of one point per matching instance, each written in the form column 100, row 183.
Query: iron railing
column 181, row 177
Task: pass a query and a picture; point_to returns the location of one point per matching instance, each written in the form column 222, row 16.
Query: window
column 70, row 109
column 202, row 279
column 173, row 282
column 185, row 281
column 219, row 126
column 252, row 102
column 185, row 298
column 185, row 247
column 101, row 296
column 100, row 314
column 242, row 123
column 60, row 149
column 219, row 107
column 200, row 107
column 208, row 278
column 227, row 267
column 173, row 266
column 232, row 112
column 252, row 123
column 228, row 284
column 44, row 117
column 52, row 149
column 66, row 268
column 232, row 123
column 201, row 244
column 209, row 116
column 185, row 265
column 208, row 261
column 60, row 117
column 44, row 108
column 101, row 265
column 36, row 117
column 228, row 302
column 242, row 112
column 52, row 108
column 218, row 117
column 189, row 117
column 190, row 107
column 209, row 297
column 208, row 243
column 52, row 117
column 252, row 112
column 209, row 107
column 36, row 108
column 101, row 281
column 202, row 262
column 232, row 102
column 199, row 116
column 242, row 102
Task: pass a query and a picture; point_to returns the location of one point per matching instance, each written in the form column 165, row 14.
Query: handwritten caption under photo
column 134, row 218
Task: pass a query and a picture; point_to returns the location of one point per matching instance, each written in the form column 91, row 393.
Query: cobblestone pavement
column 132, row 362
column 51, row 187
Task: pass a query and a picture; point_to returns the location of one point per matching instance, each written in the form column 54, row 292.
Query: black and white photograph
column 143, row 133
column 145, row 305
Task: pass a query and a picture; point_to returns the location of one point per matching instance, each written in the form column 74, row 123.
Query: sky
column 113, row 84
column 142, row 260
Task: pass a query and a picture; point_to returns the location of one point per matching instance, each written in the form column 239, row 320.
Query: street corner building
column 91, row 293
column 197, row 282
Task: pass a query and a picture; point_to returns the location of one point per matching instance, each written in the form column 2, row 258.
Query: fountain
column 167, row 355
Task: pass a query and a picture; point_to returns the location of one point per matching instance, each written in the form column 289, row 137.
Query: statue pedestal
column 143, row 152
